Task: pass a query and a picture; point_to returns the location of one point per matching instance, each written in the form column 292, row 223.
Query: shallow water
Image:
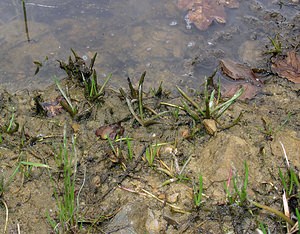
column 129, row 36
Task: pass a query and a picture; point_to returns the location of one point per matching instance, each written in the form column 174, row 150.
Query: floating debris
column 203, row 12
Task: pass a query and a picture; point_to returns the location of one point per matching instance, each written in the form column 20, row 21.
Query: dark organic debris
column 51, row 108
column 203, row 12
column 288, row 67
column 239, row 75
column 110, row 131
column 77, row 69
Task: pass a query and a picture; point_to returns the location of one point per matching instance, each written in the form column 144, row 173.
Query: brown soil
column 115, row 195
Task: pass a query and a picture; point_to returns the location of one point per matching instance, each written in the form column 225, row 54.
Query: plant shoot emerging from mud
column 198, row 192
column 151, row 153
column 68, row 217
column 68, row 104
column 239, row 195
column 212, row 110
column 140, row 117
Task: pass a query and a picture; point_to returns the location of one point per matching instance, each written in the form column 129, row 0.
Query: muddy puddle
column 146, row 178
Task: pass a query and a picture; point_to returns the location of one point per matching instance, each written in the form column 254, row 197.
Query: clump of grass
column 92, row 91
column 67, row 217
column 212, row 108
column 138, row 95
column 239, row 195
column 85, row 75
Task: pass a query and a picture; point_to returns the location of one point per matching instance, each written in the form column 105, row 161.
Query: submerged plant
column 277, row 46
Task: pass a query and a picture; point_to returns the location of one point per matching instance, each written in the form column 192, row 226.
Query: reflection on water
column 130, row 36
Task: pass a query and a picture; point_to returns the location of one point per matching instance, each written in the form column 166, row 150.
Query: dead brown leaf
column 110, row 131
column 236, row 71
column 288, row 67
column 203, row 12
column 239, row 75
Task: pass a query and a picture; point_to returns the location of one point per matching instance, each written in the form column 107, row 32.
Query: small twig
column 19, row 229
column 285, row 155
column 286, row 209
column 81, row 187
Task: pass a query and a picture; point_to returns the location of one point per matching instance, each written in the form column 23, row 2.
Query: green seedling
column 19, row 168
column 12, row 126
column 239, row 195
column 290, row 182
column 67, row 203
column 117, row 156
column 67, row 105
column 151, row 153
column 263, row 228
column 129, row 148
column 198, row 192
column 276, row 43
column 140, row 117
column 157, row 92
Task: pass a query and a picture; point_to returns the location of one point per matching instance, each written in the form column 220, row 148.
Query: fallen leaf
column 288, row 67
column 229, row 88
column 203, row 12
column 238, row 76
column 110, row 131
column 236, row 71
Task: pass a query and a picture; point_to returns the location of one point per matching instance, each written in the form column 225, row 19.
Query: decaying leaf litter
column 117, row 189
